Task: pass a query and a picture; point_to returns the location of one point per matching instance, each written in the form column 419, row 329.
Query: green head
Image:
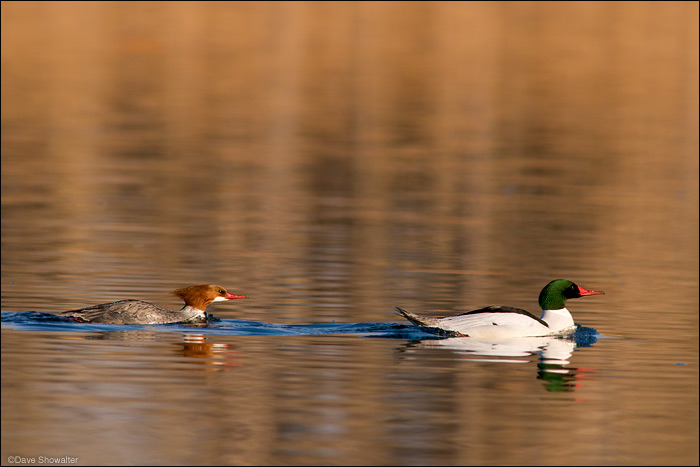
column 556, row 293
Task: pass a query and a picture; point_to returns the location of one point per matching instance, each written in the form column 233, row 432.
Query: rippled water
column 333, row 161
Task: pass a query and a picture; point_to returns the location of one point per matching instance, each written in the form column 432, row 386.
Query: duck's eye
column 222, row 292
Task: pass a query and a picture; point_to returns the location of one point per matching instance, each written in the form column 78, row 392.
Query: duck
column 196, row 297
column 505, row 321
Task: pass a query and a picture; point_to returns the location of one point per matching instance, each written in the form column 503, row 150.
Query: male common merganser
column 196, row 297
column 505, row 321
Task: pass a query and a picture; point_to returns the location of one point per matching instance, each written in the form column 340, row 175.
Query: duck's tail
column 417, row 319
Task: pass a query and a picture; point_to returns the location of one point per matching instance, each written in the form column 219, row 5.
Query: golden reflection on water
column 332, row 160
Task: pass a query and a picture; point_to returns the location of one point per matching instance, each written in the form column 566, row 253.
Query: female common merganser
column 196, row 297
column 505, row 321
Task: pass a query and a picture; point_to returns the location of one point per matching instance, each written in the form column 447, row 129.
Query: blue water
column 35, row 321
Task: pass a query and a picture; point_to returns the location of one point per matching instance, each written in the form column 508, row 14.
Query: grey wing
column 121, row 312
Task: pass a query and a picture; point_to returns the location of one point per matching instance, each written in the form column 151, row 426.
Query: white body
column 508, row 324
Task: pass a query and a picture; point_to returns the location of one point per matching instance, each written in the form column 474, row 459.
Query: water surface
column 332, row 161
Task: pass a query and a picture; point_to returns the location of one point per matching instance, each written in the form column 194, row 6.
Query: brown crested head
column 200, row 296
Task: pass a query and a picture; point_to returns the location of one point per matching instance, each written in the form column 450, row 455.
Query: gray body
column 134, row 312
